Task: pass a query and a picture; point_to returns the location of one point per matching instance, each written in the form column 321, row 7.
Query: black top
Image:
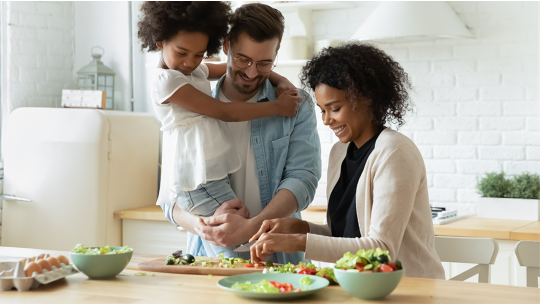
column 342, row 202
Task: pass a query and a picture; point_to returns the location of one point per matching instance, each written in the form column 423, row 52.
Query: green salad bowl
column 368, row 286
column 101, row 266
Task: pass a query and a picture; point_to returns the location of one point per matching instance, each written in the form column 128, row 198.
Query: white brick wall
column 38, row 55
column 476, row 100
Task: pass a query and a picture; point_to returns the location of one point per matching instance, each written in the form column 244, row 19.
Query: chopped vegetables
column 79, row 248
column 269, row 264
column 306, row 280
column 368, row 261
column 265, row 287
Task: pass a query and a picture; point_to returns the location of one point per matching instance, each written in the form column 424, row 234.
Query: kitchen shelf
column 312, row 5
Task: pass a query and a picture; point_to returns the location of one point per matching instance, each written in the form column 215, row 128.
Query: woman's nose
column 189, row 63
column 326, row 119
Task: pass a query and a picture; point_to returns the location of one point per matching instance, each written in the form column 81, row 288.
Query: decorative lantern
column 97, row 76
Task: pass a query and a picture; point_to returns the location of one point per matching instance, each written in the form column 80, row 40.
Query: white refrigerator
column 67, row 170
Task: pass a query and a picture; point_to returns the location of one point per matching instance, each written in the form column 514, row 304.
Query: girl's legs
column 204, row 201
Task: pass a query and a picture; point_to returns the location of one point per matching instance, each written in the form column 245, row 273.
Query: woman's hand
column 235, row 206
column 287, row 225
column 284, row 85
column 269, row 243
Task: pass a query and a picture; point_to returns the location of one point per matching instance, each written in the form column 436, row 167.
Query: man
column 280, row 156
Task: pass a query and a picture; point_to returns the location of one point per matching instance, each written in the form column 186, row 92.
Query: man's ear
column 159, row 45
column 226, row 46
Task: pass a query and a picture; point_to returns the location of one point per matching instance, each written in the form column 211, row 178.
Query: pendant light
column 409, row 21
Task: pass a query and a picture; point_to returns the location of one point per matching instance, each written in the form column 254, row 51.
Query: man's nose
column 251, row 71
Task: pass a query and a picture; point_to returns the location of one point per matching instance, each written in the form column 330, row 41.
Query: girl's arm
column 282, row 84
column 216, row 70
column 194, row 100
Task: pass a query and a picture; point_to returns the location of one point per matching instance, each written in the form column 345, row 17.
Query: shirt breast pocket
column 280, row 148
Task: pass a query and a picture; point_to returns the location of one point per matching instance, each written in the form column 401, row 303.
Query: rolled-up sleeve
column 303, row 166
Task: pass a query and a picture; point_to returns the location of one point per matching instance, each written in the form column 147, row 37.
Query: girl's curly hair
column 161, row 20
column 367, row 75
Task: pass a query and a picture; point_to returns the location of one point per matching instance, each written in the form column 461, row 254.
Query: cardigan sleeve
column 396, row 179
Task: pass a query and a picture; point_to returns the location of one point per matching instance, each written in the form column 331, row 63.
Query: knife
column 245, row 247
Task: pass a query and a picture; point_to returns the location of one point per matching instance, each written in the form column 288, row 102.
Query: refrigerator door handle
column 13, row 197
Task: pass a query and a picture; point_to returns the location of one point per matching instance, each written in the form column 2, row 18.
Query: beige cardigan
column 393, row 209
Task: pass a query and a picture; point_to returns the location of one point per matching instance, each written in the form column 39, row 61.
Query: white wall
column 477, row 105
column 105, row 24
column 37, row 55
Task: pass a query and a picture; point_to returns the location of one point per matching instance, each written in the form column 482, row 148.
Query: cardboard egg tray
column 12, row 275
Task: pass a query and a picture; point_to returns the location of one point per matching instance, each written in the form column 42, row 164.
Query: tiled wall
column 477, row 105
column 39, row 55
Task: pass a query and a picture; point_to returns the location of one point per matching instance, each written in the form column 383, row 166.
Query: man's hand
column 235, row 206
column 269, row 243
column 226, row 230
column 284, row 85
column 287, row 225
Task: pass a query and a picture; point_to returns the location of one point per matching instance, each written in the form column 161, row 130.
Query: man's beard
column 248, row 89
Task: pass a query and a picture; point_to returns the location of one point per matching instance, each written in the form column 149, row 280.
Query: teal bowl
column 368, row 286
column 101, row 266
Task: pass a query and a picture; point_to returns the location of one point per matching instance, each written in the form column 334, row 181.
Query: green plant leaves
column 524, row 186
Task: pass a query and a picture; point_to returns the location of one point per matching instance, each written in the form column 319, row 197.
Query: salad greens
column 262, row 286
column 306, row 280
column 377, row 260
column 327, row 273
column 79, row 248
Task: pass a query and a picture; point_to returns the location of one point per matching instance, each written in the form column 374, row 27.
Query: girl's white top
column 196, row 148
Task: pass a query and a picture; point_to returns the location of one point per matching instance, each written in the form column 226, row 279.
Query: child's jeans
column 204, row 201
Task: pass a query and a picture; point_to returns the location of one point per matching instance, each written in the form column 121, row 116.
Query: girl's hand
column 269, row 243
column 235, row 206
column 288, row 102
column 287, row 225
column 284, row 85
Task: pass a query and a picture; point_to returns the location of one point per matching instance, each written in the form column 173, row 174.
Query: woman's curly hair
column 161, row 20
column 367, row 75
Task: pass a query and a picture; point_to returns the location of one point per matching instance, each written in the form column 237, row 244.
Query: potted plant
column 514, row 198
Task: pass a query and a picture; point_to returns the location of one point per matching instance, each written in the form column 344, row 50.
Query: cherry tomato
column 385, row 268
column 249, row 266
column 393, row 265
column 359, row 266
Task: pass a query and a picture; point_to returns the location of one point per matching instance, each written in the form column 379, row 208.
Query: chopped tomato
column 324, row 275
column 359, row 267
column 297, row 290
column 308, row 271
column 282, row 289
column 393, row 266
column 344, row 268
column 385, row 268
column 249, row 266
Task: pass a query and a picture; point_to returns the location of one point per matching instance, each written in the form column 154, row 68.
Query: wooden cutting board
column 158, row 265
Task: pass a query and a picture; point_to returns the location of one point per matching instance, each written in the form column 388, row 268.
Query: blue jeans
column 204, row 201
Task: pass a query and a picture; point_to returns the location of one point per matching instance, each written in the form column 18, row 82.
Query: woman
column 377, row 187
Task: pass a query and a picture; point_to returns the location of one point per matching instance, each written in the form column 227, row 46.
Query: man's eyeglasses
column 243, row 62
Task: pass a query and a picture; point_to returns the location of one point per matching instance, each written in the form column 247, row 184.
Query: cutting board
column 158, row 265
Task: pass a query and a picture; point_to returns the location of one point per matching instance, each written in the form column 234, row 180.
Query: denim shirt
column 287, row 156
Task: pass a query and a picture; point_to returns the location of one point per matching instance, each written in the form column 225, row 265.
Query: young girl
column 197, row 152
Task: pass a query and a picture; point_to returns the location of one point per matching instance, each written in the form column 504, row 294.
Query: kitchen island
column 129, row 287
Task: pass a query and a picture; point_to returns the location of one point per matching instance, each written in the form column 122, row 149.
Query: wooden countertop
column 154, row 212
column 179, row 288
column 467, row 227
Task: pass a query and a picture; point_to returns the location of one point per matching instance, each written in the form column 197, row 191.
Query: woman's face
column 347, row 124
column 183, row 52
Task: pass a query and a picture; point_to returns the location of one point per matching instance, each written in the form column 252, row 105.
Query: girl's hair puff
column 162, row 20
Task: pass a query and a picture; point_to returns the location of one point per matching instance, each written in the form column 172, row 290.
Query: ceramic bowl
column 368, row 286
column 101, row 266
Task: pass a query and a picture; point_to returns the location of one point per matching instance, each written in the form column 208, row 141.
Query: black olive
column 189, row 258
column 383, row 259
column 177, row 254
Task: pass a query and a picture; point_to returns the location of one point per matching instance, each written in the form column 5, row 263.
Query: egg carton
column 12, row 275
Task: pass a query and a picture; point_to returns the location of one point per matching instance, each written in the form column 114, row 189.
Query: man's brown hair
column 260, row 21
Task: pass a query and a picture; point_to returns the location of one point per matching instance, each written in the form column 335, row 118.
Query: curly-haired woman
column 377, row 185
column 197, row 152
